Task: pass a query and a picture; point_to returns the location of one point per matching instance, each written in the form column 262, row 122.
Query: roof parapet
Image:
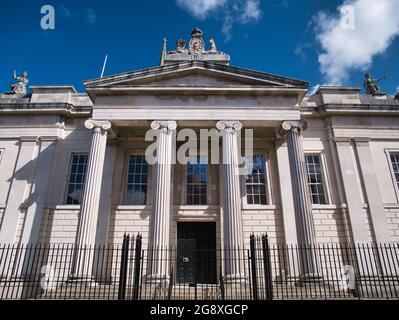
column 337, row 89
column 52, row 89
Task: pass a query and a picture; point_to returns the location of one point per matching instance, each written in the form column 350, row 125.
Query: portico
column 159, row 99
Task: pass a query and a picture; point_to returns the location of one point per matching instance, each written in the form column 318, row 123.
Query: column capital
column 164, row 125
column 229, row 125
column 98, row 124
column 290, row 125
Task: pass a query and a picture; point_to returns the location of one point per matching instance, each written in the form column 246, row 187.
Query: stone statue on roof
column 213, row 49
column 370, row 84
column 20, row 85
column 180, row 47
column 197, row 45
column 194, row 50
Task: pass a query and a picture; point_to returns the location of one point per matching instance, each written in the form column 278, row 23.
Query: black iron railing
column 49, row 272
column 261, row 271
column 342, row 271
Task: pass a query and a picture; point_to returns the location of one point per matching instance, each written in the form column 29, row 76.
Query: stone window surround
column 388, row 152
column 62, row 198
column 198, row 157
column 311, row 165
column 126, row 184
column 324, row 176
column 134, row 152
column 269, row 189
column 253, row 181
column 208, row 184
column 67, row 173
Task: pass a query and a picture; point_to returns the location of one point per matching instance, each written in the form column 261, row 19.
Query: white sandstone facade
column 72, row 169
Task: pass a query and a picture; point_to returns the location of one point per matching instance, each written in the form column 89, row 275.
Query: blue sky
column 300, row 39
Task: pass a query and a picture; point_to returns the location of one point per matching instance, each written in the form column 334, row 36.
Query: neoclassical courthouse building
column 325, row 166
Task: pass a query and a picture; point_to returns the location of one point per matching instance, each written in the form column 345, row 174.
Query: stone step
column 280, row 292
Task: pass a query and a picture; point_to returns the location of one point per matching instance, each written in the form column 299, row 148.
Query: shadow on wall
column 41, row 172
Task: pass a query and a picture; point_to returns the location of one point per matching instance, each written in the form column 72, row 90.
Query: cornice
column 44, row 108
column 198, row 90
column 196, row 65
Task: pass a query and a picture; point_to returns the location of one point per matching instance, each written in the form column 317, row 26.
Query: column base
column 156, row 287
column 236, row 287
column 311, row 278
column 232, row 279
column 80, row 279
column 157, row 278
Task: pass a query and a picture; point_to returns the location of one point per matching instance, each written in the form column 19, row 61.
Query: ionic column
column 287, row 204
column 91, row 198
column 158, row 264
column 301, row 194
column 232, row 225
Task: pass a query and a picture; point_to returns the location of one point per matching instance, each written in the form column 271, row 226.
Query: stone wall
column 130, row 220
column 392, row 214
column 261, row 221
column 330, row 225
column 59, row 225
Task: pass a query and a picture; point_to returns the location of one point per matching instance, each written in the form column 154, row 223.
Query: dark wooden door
column 196, row 252
column 186, row 261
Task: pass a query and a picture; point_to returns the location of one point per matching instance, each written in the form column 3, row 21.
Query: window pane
column 76, row 178
column 395, row 166
column 197, row 179
column 255, row 180
column 315, row 179
column 136, row 189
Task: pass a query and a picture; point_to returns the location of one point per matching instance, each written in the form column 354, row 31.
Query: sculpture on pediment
column 196, row 50
column 180, row 47
column 370, row 84
column 212, row 44
column 22, row 81
column 197, row 45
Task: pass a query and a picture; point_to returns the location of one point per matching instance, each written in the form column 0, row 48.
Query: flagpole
column 105, row 62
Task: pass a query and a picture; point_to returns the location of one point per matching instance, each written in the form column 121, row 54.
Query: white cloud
column 91, row 16
column 227, row 27
column 200, row 8
column 397, row 89
column 346, row 49
column 251, row 12
column 229, row 11
column 301, row 49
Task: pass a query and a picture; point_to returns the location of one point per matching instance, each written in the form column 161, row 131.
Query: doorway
column 196, row 252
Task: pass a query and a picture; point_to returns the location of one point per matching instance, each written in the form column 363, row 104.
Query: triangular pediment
column 194, row 74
